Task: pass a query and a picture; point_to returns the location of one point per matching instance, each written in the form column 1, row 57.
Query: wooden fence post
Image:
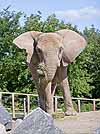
column 79, row 106
column 28, row 104
column 38, row 102
column 13, row 106
column 55, row 104
column 0, row 98
column 25, row 106
column 94, row 105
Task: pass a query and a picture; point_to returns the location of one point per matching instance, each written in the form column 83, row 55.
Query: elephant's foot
column 70, row 112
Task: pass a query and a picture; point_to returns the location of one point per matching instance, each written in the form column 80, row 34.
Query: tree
column 33, row 22
column 14, row 75
column 93, row 62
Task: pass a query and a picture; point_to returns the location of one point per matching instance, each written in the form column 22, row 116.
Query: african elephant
column 48, row 56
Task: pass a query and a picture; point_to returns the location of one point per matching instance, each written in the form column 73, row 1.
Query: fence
column 27, row 102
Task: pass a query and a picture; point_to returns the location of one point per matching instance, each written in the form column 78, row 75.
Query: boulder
column 37, row 122
column 97, row 131
column 2, row 129
column 16, row 123
column 5, row 118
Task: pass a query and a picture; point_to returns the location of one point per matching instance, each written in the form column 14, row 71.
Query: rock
column 13, row 124
column 37, row 122
column 17, row 123
column 97, row 131
column 5, row 118
column 2, row 129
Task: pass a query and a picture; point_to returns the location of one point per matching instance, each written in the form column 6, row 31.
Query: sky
column 78, row 12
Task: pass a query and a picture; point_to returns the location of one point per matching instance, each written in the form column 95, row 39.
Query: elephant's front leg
column 66, row 92
column 67, row 98
column 41, row 95
column 45, row 97
column 48, row 99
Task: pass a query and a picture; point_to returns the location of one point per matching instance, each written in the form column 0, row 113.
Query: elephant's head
column 49, row 49
column 44, row 48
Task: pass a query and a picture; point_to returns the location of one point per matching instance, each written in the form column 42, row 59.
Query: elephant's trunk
column 51, row 72
column 47, row 71
column 51, row 67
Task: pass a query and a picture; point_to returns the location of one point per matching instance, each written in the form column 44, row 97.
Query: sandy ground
column 83, row 123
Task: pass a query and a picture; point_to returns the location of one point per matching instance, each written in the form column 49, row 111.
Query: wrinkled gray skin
column 48, row 55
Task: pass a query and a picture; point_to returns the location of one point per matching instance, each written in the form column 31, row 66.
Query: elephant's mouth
column 41, row 71
column 46, row 73
column 42, row 75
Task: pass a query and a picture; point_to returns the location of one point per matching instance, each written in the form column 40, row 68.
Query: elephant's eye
column 40, row 54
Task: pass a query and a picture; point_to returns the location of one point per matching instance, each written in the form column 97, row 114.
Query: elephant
column 48, row 56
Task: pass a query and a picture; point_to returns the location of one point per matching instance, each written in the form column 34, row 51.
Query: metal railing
column 26, row 102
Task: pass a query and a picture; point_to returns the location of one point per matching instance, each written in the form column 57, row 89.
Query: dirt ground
column 83, row 123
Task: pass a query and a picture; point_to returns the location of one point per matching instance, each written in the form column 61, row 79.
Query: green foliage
column 93, row 63
column 51, row 24
column 97, row 105
column 33, row 22
column 83, row 74
column 14, row 75
column 80, row 80
column 85, row 107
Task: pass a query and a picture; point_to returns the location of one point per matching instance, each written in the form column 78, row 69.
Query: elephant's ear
column 73, row 45
column 27, row 41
